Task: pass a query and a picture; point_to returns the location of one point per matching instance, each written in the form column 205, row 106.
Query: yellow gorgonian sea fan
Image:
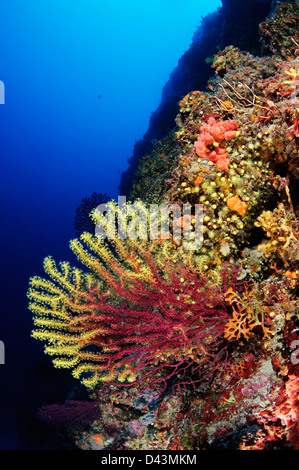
column 67, row 306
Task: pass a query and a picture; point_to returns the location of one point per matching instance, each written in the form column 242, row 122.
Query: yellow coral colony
column 62, row 305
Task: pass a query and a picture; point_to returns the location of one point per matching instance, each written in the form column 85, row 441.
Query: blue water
column 81, row 80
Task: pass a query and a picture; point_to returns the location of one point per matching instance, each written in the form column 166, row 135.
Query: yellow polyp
column 91, row 382
column 126, row 375
column 110, row 375
column 132, row 377
column 62, row 363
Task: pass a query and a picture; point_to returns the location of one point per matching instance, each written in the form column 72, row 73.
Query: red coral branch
column 171, row 325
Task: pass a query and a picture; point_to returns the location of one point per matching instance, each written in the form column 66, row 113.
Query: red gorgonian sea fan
column 128, row 319
column 72, row 414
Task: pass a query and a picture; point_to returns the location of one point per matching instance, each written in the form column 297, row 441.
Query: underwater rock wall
column 229, row 25
column 193, row 349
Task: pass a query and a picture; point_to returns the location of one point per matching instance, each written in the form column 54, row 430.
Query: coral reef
column 194, row 349
column 280, row 31
column 229, row 25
